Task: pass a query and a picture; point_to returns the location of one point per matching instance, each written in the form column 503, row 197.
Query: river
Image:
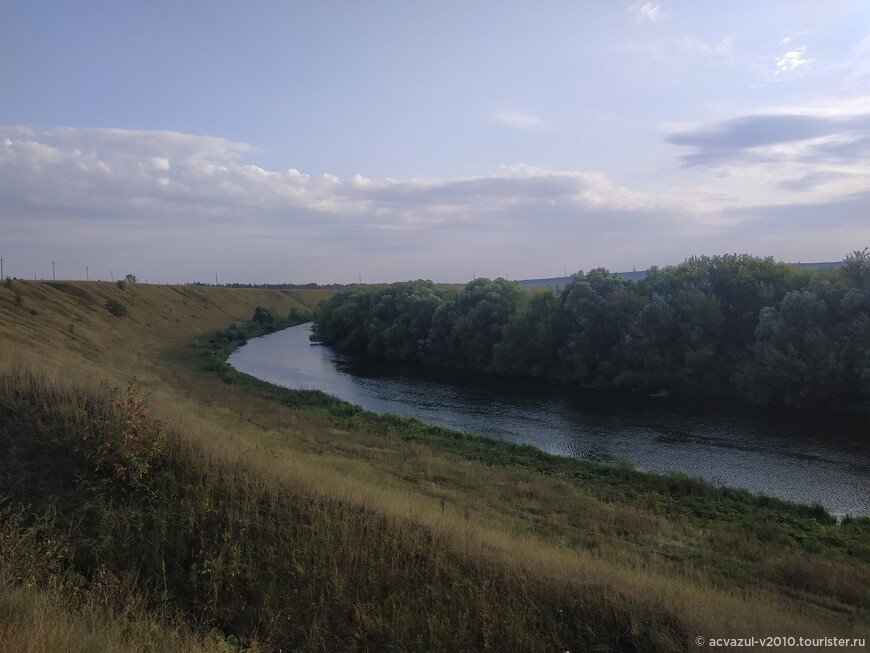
column 782, row 454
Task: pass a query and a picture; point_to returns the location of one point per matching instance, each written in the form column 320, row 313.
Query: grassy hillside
column 67, row 322
column 289, row 520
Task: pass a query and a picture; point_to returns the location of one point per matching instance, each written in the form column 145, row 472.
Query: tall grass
column 273, row 562
column 296, row 521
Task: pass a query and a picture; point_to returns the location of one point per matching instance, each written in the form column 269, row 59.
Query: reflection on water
column 779, row 454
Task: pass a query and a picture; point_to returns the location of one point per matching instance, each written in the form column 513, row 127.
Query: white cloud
column 651, row 11
column 186, row 203
column 518, row 119
column 794, row 58
column 359, row 180
column 768, row 159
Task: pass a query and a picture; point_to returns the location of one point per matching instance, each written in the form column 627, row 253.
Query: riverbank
column 298, row 520
column 710, row 327
column 733, row 522
column 768, row 451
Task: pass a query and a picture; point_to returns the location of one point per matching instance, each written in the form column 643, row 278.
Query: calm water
column 782, row 455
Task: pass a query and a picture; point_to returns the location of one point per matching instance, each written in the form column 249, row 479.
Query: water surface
column 782, row 454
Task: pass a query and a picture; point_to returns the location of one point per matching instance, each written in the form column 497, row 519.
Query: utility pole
column 1, row 268
column 87, row 274
column 360, row 278
column 53, row 275
column 215, row 278
column 112, row 276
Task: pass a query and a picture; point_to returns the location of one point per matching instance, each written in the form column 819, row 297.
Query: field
column 269, row 519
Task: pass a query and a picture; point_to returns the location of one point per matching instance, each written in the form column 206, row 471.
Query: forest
column 730, row 325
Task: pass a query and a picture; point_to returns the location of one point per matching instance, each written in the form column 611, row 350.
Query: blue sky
column 317, row 141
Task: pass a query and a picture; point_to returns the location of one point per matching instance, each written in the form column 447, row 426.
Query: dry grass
column 40, row 621
column 451, row 537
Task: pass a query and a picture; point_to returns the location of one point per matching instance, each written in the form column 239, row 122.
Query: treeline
column 275, row 286
column 734, row 325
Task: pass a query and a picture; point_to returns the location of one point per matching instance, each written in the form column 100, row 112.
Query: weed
column 115, row 307
column 129, row 444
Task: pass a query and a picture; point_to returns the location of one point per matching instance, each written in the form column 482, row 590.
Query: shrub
column 264, row 316
column 130, row 442
column 116, row 308
column 298, row 317
column 234, row 332
column 121, row 283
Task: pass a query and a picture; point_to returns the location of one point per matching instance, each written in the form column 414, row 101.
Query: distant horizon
column 219, row 282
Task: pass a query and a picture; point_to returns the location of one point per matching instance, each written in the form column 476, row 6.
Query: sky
column 331, row 141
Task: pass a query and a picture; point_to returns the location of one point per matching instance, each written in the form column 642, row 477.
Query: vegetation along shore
column 152, row 498
column 735, row 325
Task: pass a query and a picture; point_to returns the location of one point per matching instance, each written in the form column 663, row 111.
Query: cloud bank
column 750, row 135
column 182, row 207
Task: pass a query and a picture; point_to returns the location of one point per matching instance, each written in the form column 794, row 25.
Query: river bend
column 782, row 455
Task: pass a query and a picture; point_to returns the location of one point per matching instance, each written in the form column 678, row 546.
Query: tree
column 400, row 320
column 467, row 329
column 131, row 278
column 295, row 316
column 710, row 325
column 600, row 308
column 856, row 268
column 264, row 316
column 532, row 340
column 795, row 360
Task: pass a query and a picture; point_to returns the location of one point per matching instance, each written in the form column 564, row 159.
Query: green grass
column 675, row 493
column 743, row 531
column 227, row 548
column 295, row 520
